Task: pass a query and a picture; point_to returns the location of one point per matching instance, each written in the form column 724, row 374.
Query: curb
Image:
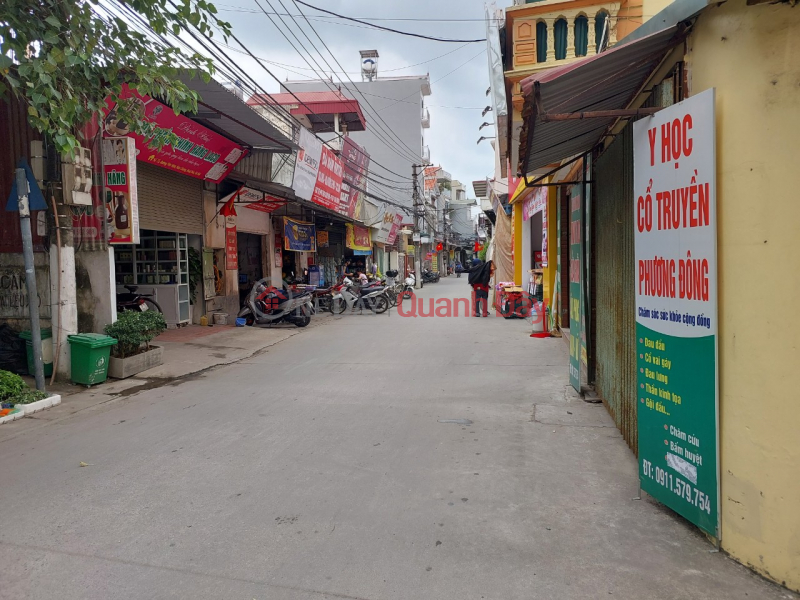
column 29, row 409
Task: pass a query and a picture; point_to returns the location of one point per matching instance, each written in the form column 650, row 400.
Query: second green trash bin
column 90, row 352
column 47, row 350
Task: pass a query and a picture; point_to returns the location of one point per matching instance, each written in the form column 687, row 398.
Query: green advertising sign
column 676, row 309
column 575, row 285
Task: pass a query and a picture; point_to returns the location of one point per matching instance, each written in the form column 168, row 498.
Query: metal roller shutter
column 615, row 285
column 169, row 201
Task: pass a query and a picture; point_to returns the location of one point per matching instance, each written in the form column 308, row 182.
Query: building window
column 541, row 41
column 560, row 36
column 581, row 35
column 600, row 30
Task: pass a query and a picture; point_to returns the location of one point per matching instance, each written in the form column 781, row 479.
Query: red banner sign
column 231, row 245
column 396, row 227
column 328, row 190
column 178, row 143
column 356, row 166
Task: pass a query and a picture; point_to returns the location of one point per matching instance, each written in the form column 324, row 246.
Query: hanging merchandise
column 299, row 236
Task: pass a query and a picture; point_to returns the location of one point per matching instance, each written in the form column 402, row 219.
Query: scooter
column 267, row 305
column 408, row 287
column 429, row 276
column 349, row 296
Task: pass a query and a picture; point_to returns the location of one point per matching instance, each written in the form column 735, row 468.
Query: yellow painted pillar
column 552, row 246
column 516, row 232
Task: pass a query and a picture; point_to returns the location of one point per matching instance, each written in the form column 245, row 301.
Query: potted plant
column 133, row 353
column 18, row 400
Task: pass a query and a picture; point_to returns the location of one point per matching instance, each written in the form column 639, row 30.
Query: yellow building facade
column 751, row 56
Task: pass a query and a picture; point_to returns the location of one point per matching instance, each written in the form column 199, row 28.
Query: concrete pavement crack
column 134, row 563
column 154, row 382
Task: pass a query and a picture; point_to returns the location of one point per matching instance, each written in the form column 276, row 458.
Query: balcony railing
column 426, row 118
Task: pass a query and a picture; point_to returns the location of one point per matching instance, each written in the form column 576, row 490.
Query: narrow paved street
column 320, row 468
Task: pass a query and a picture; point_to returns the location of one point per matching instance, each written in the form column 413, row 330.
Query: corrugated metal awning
column 230, row 116
column 606, row 81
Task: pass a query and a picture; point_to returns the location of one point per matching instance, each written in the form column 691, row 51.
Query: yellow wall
column 516, row 224
column 549, row 280
column 751, row 54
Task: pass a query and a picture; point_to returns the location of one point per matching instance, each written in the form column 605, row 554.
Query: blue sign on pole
column 35, row 197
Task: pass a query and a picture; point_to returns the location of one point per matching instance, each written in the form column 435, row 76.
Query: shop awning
column 221, row 110
column 554, row 129
column 317, row 110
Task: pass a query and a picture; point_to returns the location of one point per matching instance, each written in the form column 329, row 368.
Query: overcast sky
column 459, row 79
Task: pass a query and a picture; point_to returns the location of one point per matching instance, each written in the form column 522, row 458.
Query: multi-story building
column 394, row 108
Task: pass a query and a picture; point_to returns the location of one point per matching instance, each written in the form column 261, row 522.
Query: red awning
column 319, row 108
column 607, row 81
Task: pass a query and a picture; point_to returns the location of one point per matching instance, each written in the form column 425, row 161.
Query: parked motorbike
column 408, row 287
column 267, row 305
column 371, row 295
column 134, row 301
column 429, row 276
column 323, row 298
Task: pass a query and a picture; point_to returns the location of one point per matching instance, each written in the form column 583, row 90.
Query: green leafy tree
column 63, row 58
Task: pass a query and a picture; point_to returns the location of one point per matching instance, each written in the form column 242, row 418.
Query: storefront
column 170, row 215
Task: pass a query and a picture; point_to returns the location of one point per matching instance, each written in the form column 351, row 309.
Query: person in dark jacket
column 479, row 277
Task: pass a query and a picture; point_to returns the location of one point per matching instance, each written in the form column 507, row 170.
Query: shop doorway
column 250, row 253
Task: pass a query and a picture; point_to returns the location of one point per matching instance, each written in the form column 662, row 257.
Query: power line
column 440, row 78
column 412, row 153
column 381, row 27
column 385, row 136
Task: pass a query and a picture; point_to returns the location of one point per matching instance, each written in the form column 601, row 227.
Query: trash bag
column 13, row 356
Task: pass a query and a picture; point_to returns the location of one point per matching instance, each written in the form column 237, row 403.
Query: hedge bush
column 133, row 329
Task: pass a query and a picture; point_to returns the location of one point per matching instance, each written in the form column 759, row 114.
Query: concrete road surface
column 320, row 468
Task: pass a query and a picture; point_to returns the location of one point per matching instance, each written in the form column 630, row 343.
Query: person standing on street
column 479, row 277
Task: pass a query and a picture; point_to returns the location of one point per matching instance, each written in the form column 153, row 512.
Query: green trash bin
column 90, row 352
column 47, row 350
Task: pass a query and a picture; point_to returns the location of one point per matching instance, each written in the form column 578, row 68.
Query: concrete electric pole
column 417, row 231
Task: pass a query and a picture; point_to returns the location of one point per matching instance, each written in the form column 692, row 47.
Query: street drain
column 456, row 421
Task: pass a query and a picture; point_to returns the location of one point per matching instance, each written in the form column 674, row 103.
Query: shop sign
column 356, row 166
column 575, row 285
column 435, row 262
column 231, row 245
column 322, row 239
column 318, row 173
column 175, row 142
column 429, row 180
column 299, row 236
column 358, row 238
column 121, row 198
column 328, row 191
column 675, row 242
column 385, row 229
column 397, row 225
column 534, row 203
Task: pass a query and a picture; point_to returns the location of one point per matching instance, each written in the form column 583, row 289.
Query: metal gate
column 615, row 281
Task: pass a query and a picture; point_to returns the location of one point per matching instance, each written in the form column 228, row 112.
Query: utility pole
column 417, row 231
column 30, row 275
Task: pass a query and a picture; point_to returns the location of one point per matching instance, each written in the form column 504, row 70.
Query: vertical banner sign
column 119, row 177
column 676, row 308
column 231, row 246
column 356, row 166
column 306, row 166
column 575, row 285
